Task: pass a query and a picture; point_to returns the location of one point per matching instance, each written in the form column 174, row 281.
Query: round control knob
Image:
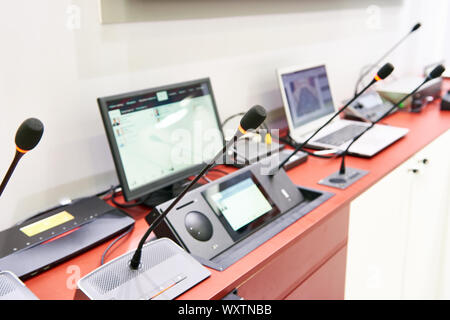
column 198, row 225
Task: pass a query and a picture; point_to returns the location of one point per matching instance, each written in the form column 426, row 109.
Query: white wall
column 54, row 65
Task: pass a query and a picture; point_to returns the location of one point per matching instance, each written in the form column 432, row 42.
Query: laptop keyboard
column 342, row 135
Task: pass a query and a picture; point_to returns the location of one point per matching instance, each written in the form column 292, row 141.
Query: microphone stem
column 302, row 145
column 342, row 168
column 365, row 73
column 10, row 170
column 136, row 259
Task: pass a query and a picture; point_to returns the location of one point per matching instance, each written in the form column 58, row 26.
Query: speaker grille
column 11, row 288
column 7, row 285
column 116, row 272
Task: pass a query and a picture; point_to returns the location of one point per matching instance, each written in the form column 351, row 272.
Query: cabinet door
column 444, row 287
column 377, row 238
column 399, row 243
column 427, row 221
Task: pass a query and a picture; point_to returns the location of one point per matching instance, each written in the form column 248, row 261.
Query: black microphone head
column 416, row 26
column 253, row 118
column 385, row 71
column 29, row 134
column 436, row 72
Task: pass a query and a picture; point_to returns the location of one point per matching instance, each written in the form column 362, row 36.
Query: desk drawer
column 300, row 260
column 327, row 283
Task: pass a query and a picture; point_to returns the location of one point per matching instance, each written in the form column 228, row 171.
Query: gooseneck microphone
column 374, row 65
column 416, row 26
column 28, row 136
column 385, row 71
column 251, row 120
column 435, row 73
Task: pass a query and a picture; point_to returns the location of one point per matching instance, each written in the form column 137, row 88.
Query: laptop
column 308, row 104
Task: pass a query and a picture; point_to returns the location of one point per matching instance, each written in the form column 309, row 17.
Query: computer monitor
column 162, row 135
column 306, row 96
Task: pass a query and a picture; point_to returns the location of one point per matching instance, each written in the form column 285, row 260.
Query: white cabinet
column 399, row 244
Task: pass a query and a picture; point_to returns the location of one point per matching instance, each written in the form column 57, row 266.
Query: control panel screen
column 241, row 204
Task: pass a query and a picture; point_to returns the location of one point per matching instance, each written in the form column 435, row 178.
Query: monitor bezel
column 163, row 182
column 314, row 124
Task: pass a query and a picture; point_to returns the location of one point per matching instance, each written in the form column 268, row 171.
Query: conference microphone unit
column 342, row 176
column 28, row 136
column 374, row 65
column 382, row 74
column 159, row 269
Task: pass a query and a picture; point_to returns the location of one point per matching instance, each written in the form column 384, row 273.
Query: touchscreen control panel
column 216, row 216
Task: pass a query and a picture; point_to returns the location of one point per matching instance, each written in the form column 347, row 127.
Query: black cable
column 104, row 192
column 231, row 117
column 218, row 170
column 289, row 141
column 206, row 179
column 127, row 205
column 102, row 261
column 321, row 156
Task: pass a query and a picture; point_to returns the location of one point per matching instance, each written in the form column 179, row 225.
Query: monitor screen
column 308, row 94
column 159, row 136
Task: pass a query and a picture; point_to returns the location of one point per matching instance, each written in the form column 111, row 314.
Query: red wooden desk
column 307, row 259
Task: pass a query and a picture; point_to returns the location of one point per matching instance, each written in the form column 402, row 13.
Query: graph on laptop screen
column 308, row 94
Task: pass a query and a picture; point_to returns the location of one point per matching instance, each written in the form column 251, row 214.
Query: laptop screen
column 308, row 94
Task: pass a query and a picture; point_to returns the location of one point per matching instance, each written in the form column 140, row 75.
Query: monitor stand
column 167, row 193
